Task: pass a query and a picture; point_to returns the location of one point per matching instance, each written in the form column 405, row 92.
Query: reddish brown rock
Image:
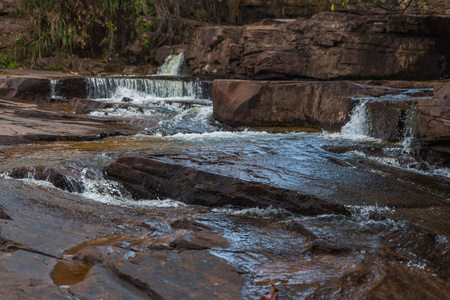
column 163, row 52
column 165, row 275
column 24, row 88
column 327, row 46
column 198, row 187
column 325, row 105
column 433, row 125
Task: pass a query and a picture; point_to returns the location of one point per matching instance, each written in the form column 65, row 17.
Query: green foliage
column 65, row 28
column 146, row 43
column 8, row 62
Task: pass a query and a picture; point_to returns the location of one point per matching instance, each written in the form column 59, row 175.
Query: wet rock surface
column 57, row 242
column 194, row 186
column 327, row 46
column 326, row 105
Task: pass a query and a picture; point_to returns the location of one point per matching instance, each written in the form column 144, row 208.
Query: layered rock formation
column 198, row 187
column 433, row 125
column 325, row 105
column 327, row 46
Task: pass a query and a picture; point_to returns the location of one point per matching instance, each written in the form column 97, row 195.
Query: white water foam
column 172, row 66
column 145, row 89
column 406, row 163
column 53, row 93
column 358, row 128
column 219, row 135
column 255, row 212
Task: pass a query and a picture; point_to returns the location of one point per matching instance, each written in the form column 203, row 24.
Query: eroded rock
column 69, row 180
column 198, row 187
column 168, row 275
column 327, row 46
column 325, row 105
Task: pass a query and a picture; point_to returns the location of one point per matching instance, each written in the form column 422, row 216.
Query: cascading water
column 172, row 66
column 358, row 127
column 151, row 88
column 53, row 91
column 306, row 256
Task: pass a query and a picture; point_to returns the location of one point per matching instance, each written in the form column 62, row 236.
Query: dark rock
column 190, row 224
column 326, row 105
column 3, row 214
column 300, row 228
column 389, row 119
column 24, row 88
column 199, row 241
column 61, row 178
column 126, row 99
column 85, row 106
column 327, row 46
column 194, row 274
column 203, row 188
column 323, row 246
column 163, row 52
column 433, row 126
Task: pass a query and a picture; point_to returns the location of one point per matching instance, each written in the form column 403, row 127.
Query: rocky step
column 192, row 186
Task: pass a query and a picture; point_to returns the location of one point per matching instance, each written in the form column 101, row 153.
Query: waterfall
column 172, row 66
column 359, row 126
column 102, row 88
column 53, row 92
column 408, row 130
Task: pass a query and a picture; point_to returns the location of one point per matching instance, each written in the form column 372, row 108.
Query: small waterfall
column 103, row 88
column 53, row 92
column 408, row 130
column 359, row 126
column 172, row 66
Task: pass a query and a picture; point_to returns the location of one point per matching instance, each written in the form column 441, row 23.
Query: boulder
column 326, row 46
column 24, row 88
column 198, row 187
column 433, row 125
column 65, row 179
column 325, row 105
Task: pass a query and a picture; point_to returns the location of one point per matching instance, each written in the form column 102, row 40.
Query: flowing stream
column 381, row 250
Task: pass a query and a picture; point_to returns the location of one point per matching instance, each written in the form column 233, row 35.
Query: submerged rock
column 60, row 177
column 198, row 187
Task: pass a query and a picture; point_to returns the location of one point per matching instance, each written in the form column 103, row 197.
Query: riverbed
column 392, row 244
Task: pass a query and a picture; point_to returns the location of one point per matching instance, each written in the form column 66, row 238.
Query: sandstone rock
column 203, row 188
column 433, row 126
column 325, row 105
column 327, row 46
column 199, row 241
column 169, row 275
column 24, row 88
column 69, row 180
column 163, row 52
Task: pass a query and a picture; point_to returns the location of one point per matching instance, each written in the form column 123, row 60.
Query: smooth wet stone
column 325, row 104
column 170, row 275
column 69, row 180
column 199, row 241
column 198, row 187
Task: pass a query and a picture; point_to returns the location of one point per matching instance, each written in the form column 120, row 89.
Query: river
column 394, row 244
